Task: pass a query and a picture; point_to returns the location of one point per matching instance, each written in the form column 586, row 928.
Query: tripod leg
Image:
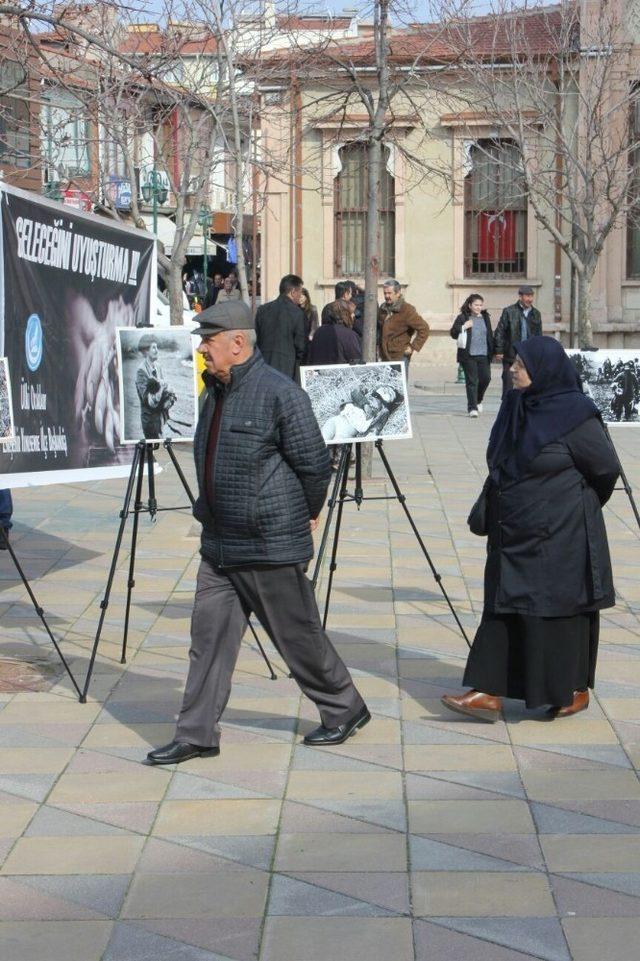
column 183, row 480
column 403, row 502
column 38, row 609
column 331, row 503
column 104, row 603
column 263, row 652
column 137, row 507
column 358, row 492
column 344, row 471
column 623, row 477
column 153, row 503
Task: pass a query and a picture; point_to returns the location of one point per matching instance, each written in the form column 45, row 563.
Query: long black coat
column 547, row 553
column 334, row 344
column 281, row 335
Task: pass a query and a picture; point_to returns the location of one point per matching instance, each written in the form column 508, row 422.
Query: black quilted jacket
column 271, row 469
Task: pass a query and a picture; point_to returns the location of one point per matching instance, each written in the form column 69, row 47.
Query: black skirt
column 538, row 660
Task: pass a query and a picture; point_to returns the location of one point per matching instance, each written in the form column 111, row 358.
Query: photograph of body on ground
column 157, row 384
column 363, row 402
column 611, row 378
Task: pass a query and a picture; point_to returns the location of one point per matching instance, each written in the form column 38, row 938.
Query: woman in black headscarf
column 548, row 571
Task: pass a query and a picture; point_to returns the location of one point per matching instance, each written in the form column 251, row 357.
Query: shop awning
column 166, row 230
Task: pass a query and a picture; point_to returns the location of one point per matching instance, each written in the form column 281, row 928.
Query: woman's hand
column 468, row 325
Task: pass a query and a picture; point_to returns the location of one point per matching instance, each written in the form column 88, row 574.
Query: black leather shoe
column 336, row 735
column 176, row 752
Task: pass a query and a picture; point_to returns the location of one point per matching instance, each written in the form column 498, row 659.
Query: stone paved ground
column 425, row 837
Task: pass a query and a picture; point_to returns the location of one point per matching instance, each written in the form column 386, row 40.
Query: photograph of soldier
column 359, row 403
column 6, row 407
column 612, row 379
column 157, row 384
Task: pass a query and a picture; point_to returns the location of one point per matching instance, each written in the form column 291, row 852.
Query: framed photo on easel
column 359, row 402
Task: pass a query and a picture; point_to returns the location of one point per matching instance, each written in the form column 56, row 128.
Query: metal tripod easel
column 341, row 495
column 143, row 463
column 38, row 608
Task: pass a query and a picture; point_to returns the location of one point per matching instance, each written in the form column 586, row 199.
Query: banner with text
column 67, row 280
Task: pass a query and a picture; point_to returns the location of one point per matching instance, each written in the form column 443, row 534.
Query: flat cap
column 228, row 315
column 525, row 289
column 146, row 340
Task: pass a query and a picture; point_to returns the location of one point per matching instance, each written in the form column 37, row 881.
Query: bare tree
column 150, row 98
column 555, row 83
column 385, row 75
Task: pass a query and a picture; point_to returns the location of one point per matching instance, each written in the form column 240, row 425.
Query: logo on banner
column 33, row 342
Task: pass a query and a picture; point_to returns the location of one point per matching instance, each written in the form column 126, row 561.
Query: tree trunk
column 372, row 251
column 239, row 218
column 176, row 302
column 585, row 330
column 371, row 273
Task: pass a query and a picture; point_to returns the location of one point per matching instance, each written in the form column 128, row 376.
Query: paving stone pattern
column 424, row 838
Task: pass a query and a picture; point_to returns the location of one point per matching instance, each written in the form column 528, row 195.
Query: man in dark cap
column 517, row 323
column 156, row 397
column 263, row 472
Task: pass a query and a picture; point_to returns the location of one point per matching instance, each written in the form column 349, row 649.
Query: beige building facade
column 449, row 236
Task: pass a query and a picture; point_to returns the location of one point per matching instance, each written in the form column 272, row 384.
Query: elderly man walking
column 401, row 330
column 263, row 472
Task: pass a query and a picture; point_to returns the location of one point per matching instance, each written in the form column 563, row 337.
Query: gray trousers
column 283, row 600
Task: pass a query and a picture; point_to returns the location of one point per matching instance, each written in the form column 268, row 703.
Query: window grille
column 633, row 213
column 14, row 115
column 350, row 206
column 495, row 212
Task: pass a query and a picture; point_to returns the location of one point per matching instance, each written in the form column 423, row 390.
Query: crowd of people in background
column 203, row 292
column 291, row 332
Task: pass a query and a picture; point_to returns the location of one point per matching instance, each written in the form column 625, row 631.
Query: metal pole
column 154, row 194
column 205, row 230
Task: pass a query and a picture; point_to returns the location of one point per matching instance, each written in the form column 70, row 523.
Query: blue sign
column 33, row 342
column 120, row 192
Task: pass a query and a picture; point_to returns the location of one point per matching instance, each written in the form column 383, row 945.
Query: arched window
column 495, row 211
column 350, row 206
column 633, row 213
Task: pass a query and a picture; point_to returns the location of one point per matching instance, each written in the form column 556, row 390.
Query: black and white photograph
column 364, row 402
column 612, row 379
column 7, row 429
column 157, row 377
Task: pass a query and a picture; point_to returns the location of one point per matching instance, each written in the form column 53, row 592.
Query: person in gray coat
column 263, row 472
column 280, row 329
column 548, row 570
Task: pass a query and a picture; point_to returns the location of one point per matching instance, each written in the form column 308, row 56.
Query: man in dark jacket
column 263, row 473
column 280, row 328
column 517, row 322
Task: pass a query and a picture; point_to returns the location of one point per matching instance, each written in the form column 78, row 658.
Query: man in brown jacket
column 401, row 329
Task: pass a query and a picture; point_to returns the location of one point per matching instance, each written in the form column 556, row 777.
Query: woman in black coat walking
column 474, row 323
column 548, row 571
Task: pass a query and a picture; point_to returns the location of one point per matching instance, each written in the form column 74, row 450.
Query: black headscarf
column 548, row 409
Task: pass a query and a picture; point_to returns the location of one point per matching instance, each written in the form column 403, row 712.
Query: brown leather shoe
column 484, row 707
column 580, row 703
